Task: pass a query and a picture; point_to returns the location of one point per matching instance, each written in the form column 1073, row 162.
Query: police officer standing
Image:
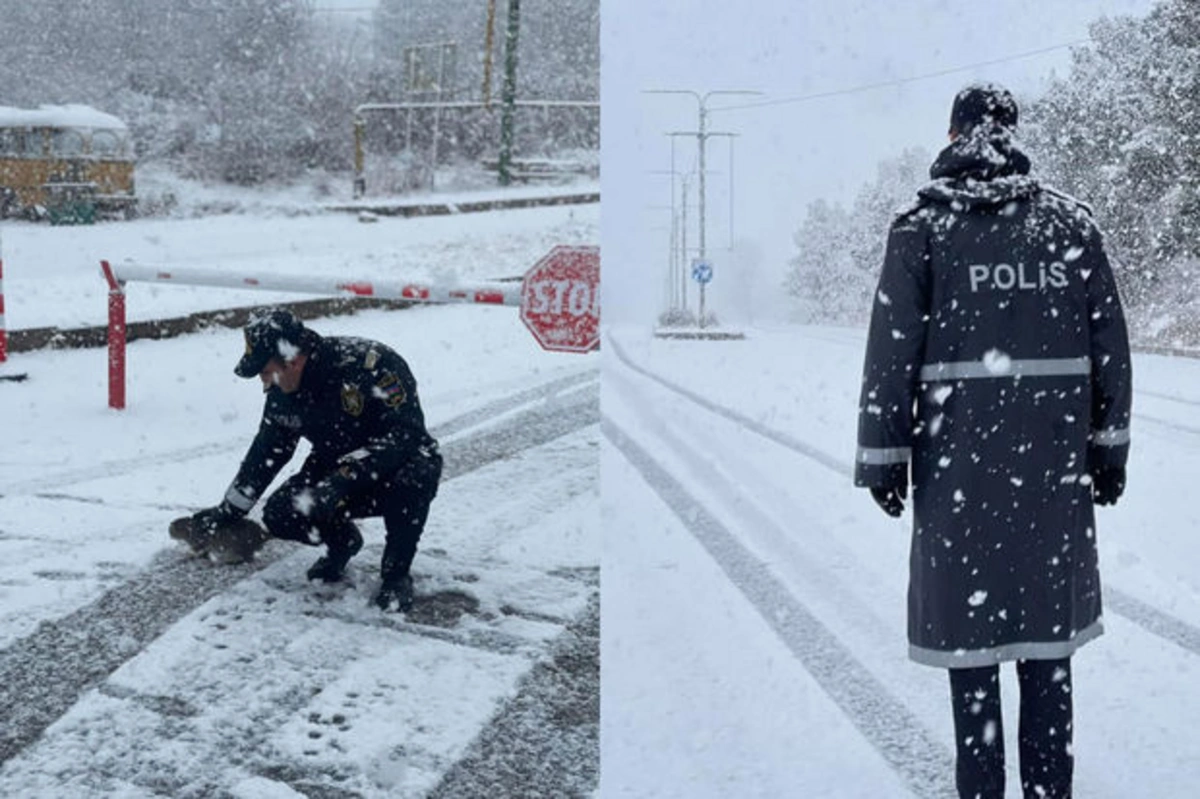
column 355, row 400
column 998, row 368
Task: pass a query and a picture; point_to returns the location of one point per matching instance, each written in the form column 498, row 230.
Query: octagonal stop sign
column 560, row 299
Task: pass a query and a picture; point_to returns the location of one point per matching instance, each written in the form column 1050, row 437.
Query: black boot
column 396, row 594
column 342, row 543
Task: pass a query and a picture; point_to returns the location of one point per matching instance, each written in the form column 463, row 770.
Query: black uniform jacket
column 997, row 364
column 357, row 400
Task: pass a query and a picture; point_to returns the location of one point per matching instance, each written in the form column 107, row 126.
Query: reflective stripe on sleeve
column 1110, row 438
column 880, row 456
column 1001, row 367
column 235, row 497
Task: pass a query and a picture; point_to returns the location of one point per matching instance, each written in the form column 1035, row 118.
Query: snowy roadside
column 772, row 468
column 52, row 274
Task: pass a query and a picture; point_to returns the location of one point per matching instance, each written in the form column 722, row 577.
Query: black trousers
column 316, row 505
column 1044, row 734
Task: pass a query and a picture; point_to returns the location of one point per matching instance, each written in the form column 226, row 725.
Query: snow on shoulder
column 59, row 116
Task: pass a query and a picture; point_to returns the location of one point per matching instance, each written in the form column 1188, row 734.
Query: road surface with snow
column 129, row 668
column 754, row 624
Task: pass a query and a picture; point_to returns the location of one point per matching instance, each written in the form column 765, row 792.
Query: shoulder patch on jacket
column 390, row 389
column 352, row 400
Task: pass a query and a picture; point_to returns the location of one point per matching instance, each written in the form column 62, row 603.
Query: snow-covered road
column 754, row 627
column 130, row 669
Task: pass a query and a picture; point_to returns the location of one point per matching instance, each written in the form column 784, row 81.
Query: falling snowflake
column 287, row 350
column 978, row 598
column 303, row 502
column 997, row 362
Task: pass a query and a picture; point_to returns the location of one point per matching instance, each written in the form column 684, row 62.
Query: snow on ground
column 273, row 686
column 763, row 591
column 71, row 464
column 52, row 274
column 165, row 193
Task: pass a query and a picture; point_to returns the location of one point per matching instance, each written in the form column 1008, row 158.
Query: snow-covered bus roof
column 59, row 116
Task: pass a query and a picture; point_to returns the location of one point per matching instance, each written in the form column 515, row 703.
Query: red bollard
column 116, row 340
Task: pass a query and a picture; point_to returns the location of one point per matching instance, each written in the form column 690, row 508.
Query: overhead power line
column 898, row 81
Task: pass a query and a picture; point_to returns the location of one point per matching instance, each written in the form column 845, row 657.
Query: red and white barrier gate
column 559, row 299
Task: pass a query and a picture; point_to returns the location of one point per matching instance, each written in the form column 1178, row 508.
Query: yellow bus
column 66, row 159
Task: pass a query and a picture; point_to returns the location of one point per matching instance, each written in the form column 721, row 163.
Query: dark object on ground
column 233, row 542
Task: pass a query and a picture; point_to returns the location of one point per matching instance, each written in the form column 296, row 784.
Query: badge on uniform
column 352, row 401
column 391, row 390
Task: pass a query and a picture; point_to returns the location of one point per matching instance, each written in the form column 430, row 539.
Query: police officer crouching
column 355, row 400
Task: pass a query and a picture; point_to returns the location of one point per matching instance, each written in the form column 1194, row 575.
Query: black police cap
column 273, row 333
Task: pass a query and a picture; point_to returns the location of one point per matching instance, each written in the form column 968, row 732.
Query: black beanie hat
column 982, row 102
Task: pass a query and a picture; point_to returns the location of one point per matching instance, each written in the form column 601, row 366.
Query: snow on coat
column 998, row 365
column 357, row 400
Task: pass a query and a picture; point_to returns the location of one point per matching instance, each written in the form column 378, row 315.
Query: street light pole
column 674, row 293
column 681, row 264
column 702, row 134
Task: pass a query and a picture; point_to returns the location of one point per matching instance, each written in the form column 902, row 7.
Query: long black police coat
column 357, row 399
column 998, row 365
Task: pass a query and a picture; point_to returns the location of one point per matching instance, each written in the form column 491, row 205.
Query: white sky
column 788, row 155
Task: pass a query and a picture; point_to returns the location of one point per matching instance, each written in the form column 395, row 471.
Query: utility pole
column 702, row 134
column 488, row 37
column 509, row 92
column 683, row 244
column 672, row 259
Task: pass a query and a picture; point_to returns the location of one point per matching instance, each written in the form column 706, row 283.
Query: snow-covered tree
column 840, row 253
column 1121, row 132
column 248, row 90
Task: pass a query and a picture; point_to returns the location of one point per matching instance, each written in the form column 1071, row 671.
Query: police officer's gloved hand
column 1108, row 483
column 208, row 520
column 891, row 498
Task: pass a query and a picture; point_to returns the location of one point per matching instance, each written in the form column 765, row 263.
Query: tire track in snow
column 1137, row 415
column 1178, row 427
column 1157, row 622
column 794, row 444
column 545, row 741
column 884, row 721
column 43, row 674
column 1169, row 397
column 116, row 468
